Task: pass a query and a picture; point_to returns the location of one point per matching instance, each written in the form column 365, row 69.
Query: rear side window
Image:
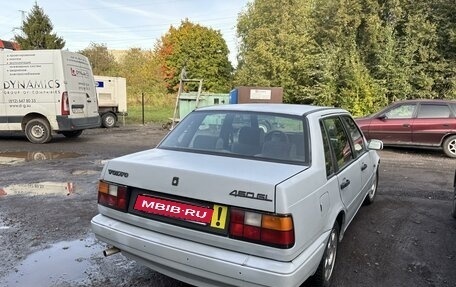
column 454, row 107
column 328, row 156
column 434, row 111
column 356, row 136
column 339, row 141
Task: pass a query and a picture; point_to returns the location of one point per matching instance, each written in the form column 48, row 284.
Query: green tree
column 102, row 61
column 202, row 51
column 143, row 75
column 357, row 54
column 37, row 32
column 276, row 48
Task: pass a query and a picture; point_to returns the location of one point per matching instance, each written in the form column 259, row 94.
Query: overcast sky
column 124, row 24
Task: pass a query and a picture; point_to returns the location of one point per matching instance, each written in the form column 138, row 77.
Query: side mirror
column 375, row 145
column 382, row 117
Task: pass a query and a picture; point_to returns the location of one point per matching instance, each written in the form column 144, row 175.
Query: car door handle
column 406, row 125
column 363, row 166
column 345, row 183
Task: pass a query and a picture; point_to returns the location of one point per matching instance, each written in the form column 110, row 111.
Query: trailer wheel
column 108, row 120
column 38, row 131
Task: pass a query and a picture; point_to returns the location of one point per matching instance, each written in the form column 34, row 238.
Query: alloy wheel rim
column 331, row 251
column 373, row 187
column 452, row 146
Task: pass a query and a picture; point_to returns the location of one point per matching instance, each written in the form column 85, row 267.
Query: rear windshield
column 261, row 136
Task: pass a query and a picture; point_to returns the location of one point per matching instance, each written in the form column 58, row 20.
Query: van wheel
column 108, row 120
column 72, row 134
column 449, row 146
column 38, row 131
column 323, row 275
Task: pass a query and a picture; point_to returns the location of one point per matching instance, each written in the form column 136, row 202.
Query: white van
column 45, row 92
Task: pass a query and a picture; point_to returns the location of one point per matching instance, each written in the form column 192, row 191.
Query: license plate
column 78, row 110
column 215, row 217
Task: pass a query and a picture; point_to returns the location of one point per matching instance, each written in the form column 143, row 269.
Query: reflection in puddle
column 11, row 158
column 40, row 188
column 64, row 262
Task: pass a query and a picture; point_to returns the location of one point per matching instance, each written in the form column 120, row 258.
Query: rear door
column 80, row 85
column 432, row 123
column 347, row 165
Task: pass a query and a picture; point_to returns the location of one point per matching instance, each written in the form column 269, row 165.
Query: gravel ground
column 48, row 196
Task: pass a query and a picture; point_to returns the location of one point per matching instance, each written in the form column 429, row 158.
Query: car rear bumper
column 204, row 265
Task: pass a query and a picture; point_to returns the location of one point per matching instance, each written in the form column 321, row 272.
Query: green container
column 187, row 101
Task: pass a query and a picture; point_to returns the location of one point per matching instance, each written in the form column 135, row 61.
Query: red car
column 414, row 123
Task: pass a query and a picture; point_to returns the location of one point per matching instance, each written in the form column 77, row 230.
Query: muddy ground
column 48, row 196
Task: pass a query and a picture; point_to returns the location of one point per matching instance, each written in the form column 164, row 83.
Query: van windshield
column 256, row 135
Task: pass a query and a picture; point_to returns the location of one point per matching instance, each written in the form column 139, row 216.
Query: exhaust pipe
column 111, row 251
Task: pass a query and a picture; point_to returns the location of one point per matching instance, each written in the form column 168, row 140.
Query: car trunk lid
column 210, row 178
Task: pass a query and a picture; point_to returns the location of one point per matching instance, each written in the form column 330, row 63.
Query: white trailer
column 112, row 99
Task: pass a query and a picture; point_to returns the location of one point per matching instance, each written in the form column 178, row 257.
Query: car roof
column 290, row 109
column 426, row 101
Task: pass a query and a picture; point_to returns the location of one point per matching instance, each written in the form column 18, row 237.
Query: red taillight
column 114, row 196
column 272, row 230
column 65, row 104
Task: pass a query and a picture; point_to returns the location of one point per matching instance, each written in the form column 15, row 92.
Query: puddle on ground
column 63, row 262
column 40, row 188
column 10, row 158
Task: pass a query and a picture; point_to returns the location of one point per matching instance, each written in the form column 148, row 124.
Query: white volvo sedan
column 241, row 195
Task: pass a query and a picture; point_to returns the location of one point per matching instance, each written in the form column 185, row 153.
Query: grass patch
column 152, row 114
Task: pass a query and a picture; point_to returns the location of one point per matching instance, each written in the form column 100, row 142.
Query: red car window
column 434, row 111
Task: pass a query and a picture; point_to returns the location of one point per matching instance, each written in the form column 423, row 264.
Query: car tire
column 323, row 275
column 72, row 134
column 449, row 146
column 454, row 206
column 373, row 191
column 38, row 131
column 108, row 120
column 453, row 212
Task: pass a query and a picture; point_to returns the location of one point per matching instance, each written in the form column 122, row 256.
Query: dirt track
column 406, row 238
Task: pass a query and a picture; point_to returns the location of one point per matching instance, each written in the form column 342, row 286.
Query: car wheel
column 323, row 275
column 449, row 146
column 454, row 206
column 38, row 131
column 72, row 134
column 454, row 196
column 373, row 190
column 108, row 120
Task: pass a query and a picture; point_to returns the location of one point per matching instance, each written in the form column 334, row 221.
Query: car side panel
column 430, row 132
column 391, row 131
column 350, row 193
